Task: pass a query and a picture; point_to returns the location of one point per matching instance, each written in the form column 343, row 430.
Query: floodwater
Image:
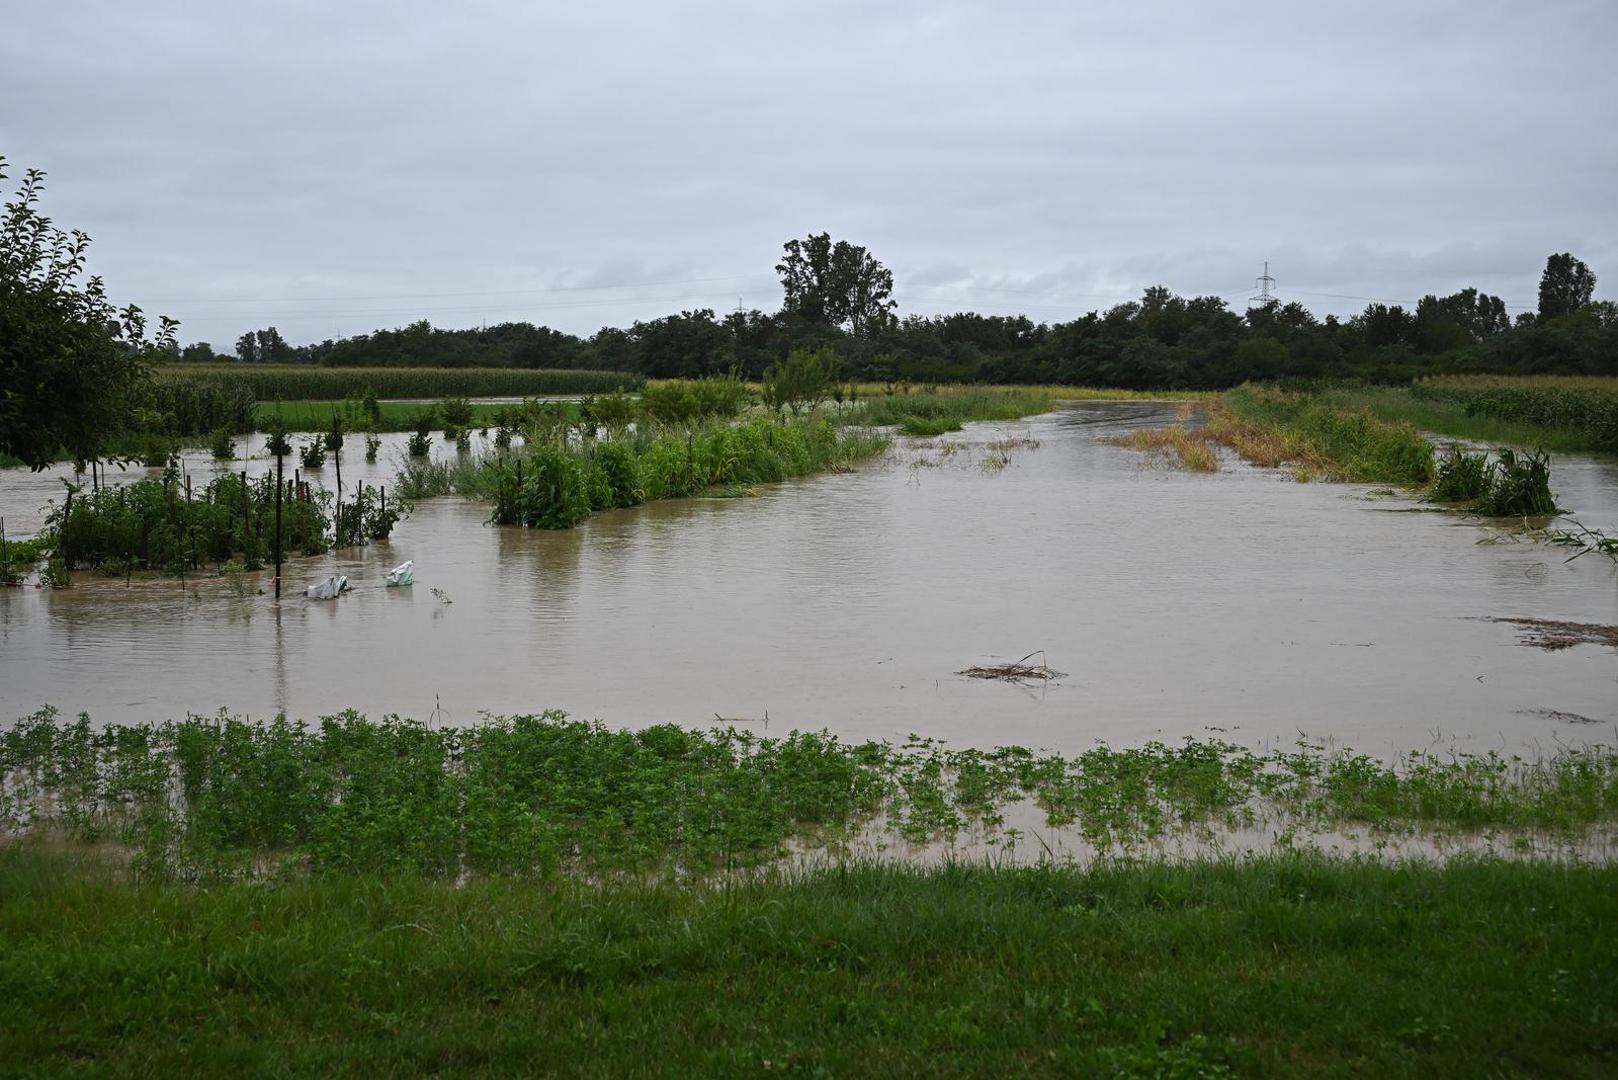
column 1239, row 604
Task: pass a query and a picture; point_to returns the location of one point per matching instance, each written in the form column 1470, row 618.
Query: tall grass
column 1352, row 445
column 1189, row 448
column 1565, row 413
column 934, row 413
column 558, row 480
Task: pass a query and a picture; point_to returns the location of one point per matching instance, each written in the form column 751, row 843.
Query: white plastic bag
column 403, row 574
column 328, row 589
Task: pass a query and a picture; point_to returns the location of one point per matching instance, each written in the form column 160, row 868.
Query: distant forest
column 837, row 296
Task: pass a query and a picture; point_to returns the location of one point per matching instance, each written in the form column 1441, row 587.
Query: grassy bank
column 947, row 409
column 294, row 382
column 1261, row 967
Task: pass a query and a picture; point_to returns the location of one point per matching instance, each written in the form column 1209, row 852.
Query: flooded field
column 1239, row 604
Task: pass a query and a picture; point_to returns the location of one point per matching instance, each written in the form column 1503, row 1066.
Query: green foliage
column 1566, row 286
column 456, row 413
column 313, row 454
column 555, row 493
column 1462, row 477
column 333, row 440
column 936, row 413
column 222, row 444
column 1588, row 407
column 71, row 364
column 685, row 401
column 803, row 380
column 156, row 450
column 1520, row 486
column 615, row 463
column 556, row 484
column 19, row 557
column 150, row 525
column 369, row 515
column 838, row 284
column 617, row 410
column 928, row 426
column 538, row 795
column 1361, row 447
column 1274, row 966
column 276, row 443
column 200, row 404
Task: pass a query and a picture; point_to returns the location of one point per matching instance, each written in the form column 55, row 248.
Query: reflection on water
column 1240, row 604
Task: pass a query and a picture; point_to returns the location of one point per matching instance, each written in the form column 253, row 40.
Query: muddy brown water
column 1239, row 604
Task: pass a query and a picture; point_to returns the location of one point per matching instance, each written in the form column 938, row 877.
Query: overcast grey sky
column 330, row 168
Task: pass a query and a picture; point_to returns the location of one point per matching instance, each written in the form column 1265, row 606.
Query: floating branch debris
column 1019, row 671
column 1552, row 634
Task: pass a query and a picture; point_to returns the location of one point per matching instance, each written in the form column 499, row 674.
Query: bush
column 615, row 463
column 1462, row 477
column 223, row 444
column 1521, row 486
column 555, row 493
column 313, row 454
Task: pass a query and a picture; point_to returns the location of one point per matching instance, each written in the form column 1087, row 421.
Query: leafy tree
column 684, row 346
column 70, row 362
column 838, row 284
column 803, row 380
column 1565, row 287
column 198, row 352
column 264, row 347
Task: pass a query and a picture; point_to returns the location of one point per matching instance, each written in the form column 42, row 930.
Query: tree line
column 837, row 297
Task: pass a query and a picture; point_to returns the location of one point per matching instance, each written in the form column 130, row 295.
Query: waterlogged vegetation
column 683, row 438
column 945, row 410
column 1313, row 437
column 556, row 484
column 164, row 525
column 538, row 796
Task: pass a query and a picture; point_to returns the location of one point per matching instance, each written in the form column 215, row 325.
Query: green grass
column 946, row 409
column 1358, row 445
column 1449, row 416
column 394, row 415
column 1262, row 967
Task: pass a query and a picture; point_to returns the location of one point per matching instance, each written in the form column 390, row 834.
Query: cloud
column 334, row 168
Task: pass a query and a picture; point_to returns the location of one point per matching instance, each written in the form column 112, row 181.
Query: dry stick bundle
column 1019, row 671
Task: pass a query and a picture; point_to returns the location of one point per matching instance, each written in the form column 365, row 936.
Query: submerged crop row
column 557, row 484
column 1314, row 435
column 541, row 795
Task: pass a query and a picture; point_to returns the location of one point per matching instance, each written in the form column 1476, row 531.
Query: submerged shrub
column 620, row 477
column 1462, row 477
column 555, row 493
column 1521, row 486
